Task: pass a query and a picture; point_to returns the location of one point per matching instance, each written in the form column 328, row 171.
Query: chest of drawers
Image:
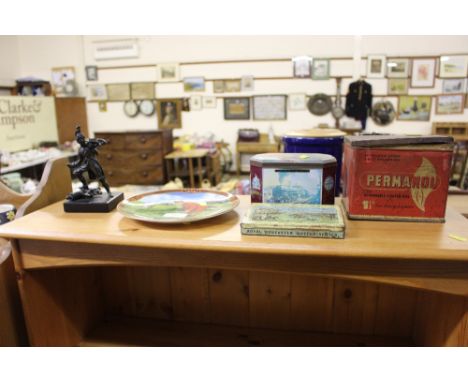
column 136, row 157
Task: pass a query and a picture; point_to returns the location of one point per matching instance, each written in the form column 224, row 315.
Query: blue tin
column 322, row 141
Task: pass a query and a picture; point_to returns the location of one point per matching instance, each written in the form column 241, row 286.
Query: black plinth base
column 98, row 203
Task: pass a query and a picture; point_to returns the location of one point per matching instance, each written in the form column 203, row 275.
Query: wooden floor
column 147, row 332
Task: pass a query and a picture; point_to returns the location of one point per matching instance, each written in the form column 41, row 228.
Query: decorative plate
column 131, row 108
column 319, row 104
column 383, row 113
column 178, row 206
column 147, row 107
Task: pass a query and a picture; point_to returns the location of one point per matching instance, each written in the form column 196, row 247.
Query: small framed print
column 91, row 72
column 376, row 66
column 195, row 102
column 118, row 92
column 168, row 72
column 269, row 107
column 60, row 77
column 218, row 86
column 209, row 102
column 142, row 90
column 102, row 106
column 423, row 73
column 453, row 66
column 247, row 83
column 194, row 84
column 466, row 100
column 97, row 92
column 450, row 104
column 398, row 86
column 414, row 108
column 456, row 85
column 302, row 66
column 321, row 69
column 236, row 108
column 169, row 113
column 297, row 101
column 232, row 86
column 185, row 104
column 398, row 68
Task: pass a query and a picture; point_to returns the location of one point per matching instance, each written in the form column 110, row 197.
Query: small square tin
column 292, row 178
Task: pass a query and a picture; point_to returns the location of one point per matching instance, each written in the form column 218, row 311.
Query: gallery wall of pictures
column 243, row 92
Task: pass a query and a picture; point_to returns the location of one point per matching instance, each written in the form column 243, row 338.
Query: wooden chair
column 54, row 186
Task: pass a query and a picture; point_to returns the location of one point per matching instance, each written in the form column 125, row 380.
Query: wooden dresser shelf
column 147, row 332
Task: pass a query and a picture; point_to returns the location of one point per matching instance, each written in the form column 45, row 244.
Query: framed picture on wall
column 236, row 108
column 91, row 73
column 297, row 101
column 269, row 107
column 167, row 72
column 414, row 108
column 398, row 86
column 194, row 84
column 302, row 66
column 423, row 73
column 398, row 68
column 450, row 104
column 209, row 102
column 142, row 90
column 321, row 69
column 453, row 66
column 97, row 92
column 232, row 86
column 247, row 83
column 60, row 77
column 195, row 102
column 169, row 113
column 376, row 66
column 455, row 85
column 118, row 92
column 218, row 86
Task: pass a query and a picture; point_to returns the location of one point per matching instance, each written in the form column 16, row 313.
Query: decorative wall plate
column 383, row 113
column 147, row 107
column 319, row 104
column 131, row 108
column 178, row 206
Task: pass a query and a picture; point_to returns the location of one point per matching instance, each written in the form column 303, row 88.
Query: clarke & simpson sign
column 26, row 121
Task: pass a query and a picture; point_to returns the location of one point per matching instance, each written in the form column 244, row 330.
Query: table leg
column 200, row 172
column 192, row 180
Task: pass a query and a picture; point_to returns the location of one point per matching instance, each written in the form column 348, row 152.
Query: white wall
column 9, row 62
column 38, row 54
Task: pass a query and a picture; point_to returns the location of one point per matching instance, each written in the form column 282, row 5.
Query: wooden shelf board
column 147, row 332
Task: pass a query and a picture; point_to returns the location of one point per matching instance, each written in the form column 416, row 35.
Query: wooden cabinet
column 70, row 112
column 136, row 157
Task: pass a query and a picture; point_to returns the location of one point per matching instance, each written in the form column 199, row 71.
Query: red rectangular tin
column 396, row 177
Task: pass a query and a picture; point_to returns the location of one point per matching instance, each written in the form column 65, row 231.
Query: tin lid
column 6, row 208
column 310, row 133
column 396, row 140
column 293, row 159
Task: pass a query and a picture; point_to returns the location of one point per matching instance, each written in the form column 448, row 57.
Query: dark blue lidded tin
column 322, row 141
